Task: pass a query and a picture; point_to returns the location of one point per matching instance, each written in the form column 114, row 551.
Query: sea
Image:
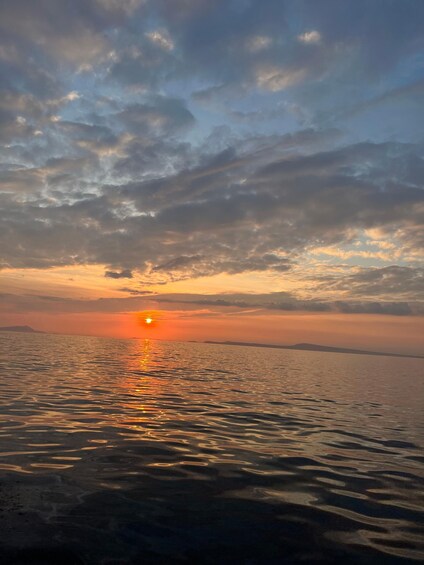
column 141, row 451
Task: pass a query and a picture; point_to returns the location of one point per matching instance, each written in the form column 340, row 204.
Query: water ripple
column 116, row 451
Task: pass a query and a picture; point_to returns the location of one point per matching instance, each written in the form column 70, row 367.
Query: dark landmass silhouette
column 23, row 329
column 315, row 347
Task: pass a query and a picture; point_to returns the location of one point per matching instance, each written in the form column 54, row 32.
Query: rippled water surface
column 126, row 451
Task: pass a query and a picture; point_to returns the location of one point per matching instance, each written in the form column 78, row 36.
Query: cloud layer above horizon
column 171, row 140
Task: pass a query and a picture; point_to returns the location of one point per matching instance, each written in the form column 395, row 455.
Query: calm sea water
column 125, row 451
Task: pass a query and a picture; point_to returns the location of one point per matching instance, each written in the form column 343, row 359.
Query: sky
column 246, row 170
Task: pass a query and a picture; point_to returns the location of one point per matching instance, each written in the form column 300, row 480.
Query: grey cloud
column 158, row 116
column 87, row 132
column 178, row 263
column 397, row 33
column 18, row 75
column 125, row 274
column 279, row 210
column 20, row 179
column 37, row 39
column 360, row 41
column 390, row 308
column 141, row 63
column 12, row 128
column 217, row 170
column 135, row 292
column 60, row 23
column 207, row 94
column 145, row 156
column 405, row 93
column 212, row 39
column 185, row 267
column 31, row 303
column 283, row 302
column 394, row 280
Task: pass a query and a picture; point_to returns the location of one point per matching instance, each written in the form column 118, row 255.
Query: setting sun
column 148, row 319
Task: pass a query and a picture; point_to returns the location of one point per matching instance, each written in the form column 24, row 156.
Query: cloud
column 288, row 302
column 135, row 292
column 390, row 308
column 312, row 36
column 258, row 43
column 216, row 303
column 162, row 39
column 390, row 281
column 158, row 116
column 275, row 78
column 232, row 213
column 125, row 274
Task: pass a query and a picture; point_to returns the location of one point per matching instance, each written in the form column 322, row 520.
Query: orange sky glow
column 389, row 333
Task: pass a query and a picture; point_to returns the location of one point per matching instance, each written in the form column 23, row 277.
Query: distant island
column 314, row 347
column 23, row 329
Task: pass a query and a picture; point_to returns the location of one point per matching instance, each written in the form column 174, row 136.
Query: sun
column 148, row 319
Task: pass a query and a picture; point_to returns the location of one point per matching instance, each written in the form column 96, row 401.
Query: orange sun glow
column 147, row 320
